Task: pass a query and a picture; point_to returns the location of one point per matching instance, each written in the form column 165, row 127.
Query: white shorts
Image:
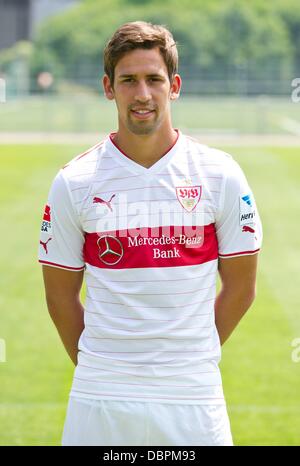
column 110, row 422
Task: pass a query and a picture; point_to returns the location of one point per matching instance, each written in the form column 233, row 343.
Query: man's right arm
column 61, row 255
column 62, row 289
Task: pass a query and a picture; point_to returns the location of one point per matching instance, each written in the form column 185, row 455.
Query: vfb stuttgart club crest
column 188, row 196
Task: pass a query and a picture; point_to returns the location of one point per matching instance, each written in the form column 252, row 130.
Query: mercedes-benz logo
column 110, row 249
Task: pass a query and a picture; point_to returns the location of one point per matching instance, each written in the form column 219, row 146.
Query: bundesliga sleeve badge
column 46, row 224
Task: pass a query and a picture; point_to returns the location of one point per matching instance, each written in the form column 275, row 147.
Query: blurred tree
column 289, row 11
column 214, row 37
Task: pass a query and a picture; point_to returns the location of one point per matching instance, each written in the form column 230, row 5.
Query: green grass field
column 261, row 382
column 89, row 112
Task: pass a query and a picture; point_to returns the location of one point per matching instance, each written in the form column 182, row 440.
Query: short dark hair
column 140, row 35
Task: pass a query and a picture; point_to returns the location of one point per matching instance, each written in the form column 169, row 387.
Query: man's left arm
column 238, row 278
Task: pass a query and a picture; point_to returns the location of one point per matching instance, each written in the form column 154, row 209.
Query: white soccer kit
column 149, row 240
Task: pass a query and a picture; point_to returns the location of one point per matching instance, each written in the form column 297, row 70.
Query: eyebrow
column 151, row 75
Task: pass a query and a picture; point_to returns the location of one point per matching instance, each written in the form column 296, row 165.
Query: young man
column 150, row 216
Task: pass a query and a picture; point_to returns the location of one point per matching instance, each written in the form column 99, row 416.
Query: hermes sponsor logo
column 247, row 210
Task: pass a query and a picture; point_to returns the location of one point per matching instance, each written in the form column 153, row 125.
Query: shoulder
column 218, row 159
column 74, row 180
column 81, row 169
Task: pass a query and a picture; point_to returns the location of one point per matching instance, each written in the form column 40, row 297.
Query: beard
column 143, row 127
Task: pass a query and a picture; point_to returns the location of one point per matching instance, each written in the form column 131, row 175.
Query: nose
column 142, row 92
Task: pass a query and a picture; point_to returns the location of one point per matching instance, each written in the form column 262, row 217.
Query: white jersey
column 149, row 240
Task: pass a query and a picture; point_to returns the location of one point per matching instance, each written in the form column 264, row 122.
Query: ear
column 175, row 87
column 108, row 89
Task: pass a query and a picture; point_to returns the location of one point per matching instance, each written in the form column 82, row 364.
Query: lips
column 142, row 113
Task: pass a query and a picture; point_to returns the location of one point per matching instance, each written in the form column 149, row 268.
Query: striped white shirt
column 149, row 240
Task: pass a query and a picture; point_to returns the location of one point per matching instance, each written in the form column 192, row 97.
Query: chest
column 172, row 198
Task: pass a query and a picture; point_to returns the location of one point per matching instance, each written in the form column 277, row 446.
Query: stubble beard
column 142, row 127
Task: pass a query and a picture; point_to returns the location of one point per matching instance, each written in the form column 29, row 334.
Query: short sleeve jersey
column 149, row 240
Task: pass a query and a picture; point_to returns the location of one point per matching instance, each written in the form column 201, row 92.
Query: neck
column 146, row 149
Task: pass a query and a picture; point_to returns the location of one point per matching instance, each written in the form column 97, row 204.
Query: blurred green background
column 239, row 61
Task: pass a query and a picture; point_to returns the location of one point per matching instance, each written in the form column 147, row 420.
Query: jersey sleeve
column 238, row 225
column 61, row 238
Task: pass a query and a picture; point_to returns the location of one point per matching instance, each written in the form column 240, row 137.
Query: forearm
column 230, row 307
column 68, row 318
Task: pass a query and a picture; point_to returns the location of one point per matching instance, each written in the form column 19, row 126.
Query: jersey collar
column 125, row 160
